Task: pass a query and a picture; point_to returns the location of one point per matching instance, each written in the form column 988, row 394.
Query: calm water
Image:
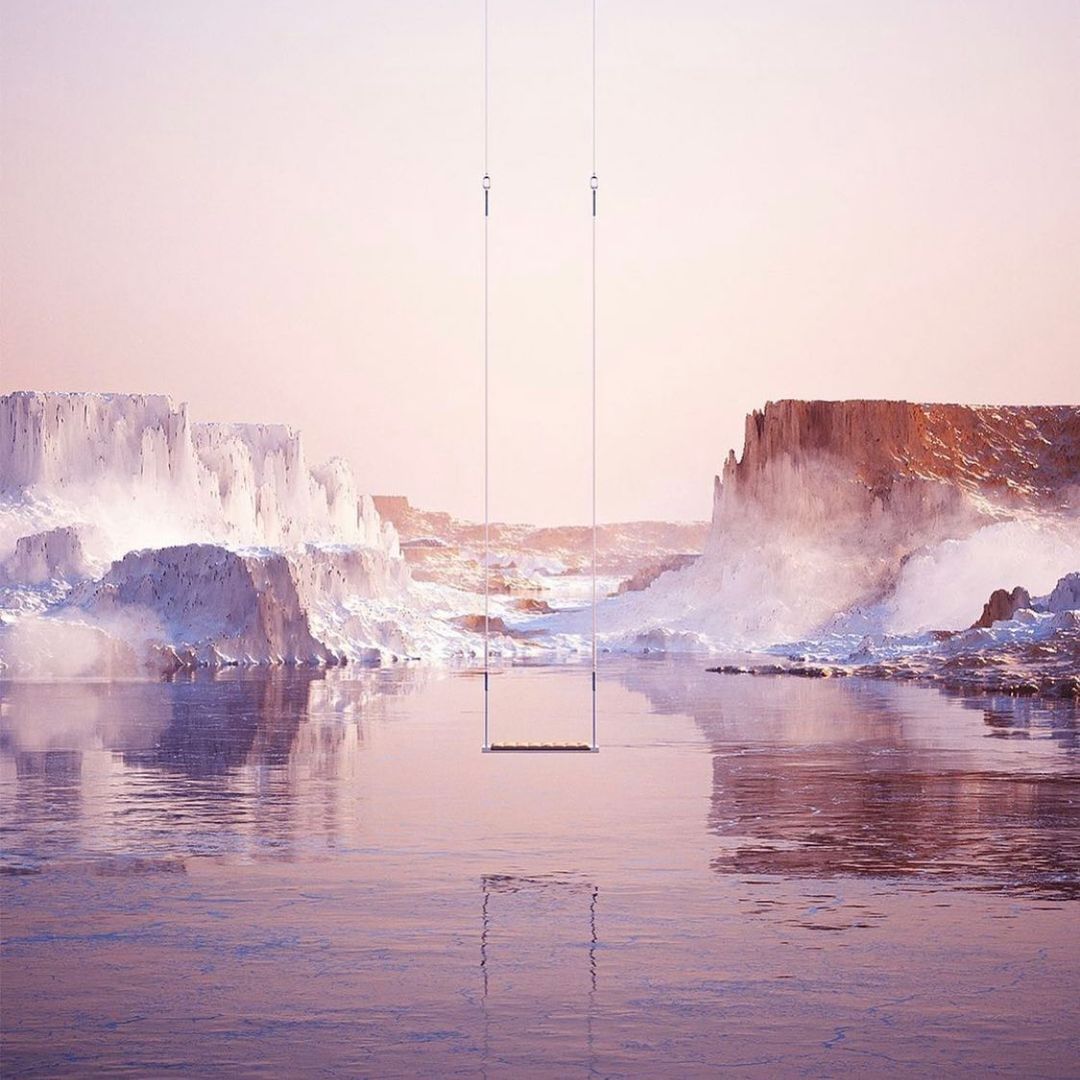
column 320, row 874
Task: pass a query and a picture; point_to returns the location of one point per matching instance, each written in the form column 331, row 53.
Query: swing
column 490, row 747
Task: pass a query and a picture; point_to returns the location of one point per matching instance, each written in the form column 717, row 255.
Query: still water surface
column 320, row 874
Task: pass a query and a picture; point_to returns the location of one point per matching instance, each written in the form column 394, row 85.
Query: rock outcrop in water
column 1034, row 649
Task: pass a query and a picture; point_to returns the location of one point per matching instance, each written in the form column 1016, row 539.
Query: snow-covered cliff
column 877, row 514
column 134, row 538
column 146, row 475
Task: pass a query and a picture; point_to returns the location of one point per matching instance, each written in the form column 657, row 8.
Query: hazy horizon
column 272, row 212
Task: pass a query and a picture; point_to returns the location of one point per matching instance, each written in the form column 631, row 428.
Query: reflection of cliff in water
column 237, row 761
column 212, row 734
column 836, row 777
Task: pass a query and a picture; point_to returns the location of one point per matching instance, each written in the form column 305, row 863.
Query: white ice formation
column 147, row 475
column 142, row 539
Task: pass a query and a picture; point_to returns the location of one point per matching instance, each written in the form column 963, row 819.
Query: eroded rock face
column 1014, row 455
column 865, row 484
column 1003, row 605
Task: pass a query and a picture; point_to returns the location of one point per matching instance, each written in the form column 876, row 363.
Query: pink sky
column 272, row 211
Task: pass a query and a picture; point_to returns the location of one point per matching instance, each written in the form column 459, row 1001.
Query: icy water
column 320, row 874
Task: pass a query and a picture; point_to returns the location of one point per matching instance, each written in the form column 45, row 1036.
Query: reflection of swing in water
column 513, row 883
column 532, row 746
column 510, row 885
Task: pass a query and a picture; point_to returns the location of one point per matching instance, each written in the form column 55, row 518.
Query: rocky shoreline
column 988, row 680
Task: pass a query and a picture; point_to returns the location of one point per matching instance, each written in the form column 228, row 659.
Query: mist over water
column 770, row 876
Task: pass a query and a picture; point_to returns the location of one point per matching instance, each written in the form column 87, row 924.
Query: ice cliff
column 203, row 605
column 135, row 538
column 147, row 475
column 54, row 555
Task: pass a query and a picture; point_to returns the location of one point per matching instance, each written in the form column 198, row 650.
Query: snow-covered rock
column 202, row 605
column 207, row 603
column 1035, row 650
column 54, row 555
column 1066, row 594
column 225, row 545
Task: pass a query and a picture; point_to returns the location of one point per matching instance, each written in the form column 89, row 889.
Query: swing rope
column 593, row 185
column 487, row 522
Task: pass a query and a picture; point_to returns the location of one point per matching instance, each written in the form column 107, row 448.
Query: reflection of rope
column 592, row 990
column 592, row 944
column 511, row 884
column 484, row 972
column 483, row 943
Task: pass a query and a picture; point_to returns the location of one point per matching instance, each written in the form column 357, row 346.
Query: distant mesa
column 648, row 574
